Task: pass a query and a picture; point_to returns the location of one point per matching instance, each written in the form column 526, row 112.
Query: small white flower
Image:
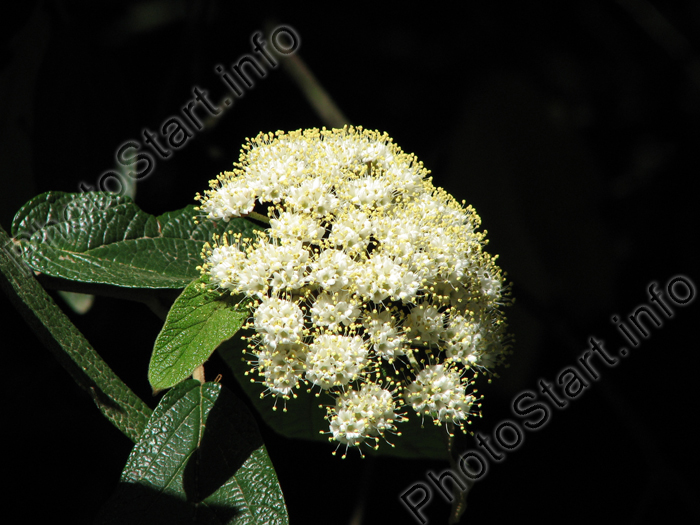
column 348, row 428
column 282, row 367
column 369, row 191
column 384, row 335
column 290, row 227
column 332, row 270
column 363, row 414
column 231, row 200
column 288, row 265
column 276, row 177
column 426, row 324
column 279, row 322
column 224, row 264
column 334, row 310
column 438, row 391
column 335, row 360
column 312, row 197
column 351, row 231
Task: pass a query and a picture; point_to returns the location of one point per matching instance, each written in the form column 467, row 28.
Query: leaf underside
column 48, row 322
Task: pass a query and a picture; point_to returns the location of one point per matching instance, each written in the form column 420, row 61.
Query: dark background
column 572, row 127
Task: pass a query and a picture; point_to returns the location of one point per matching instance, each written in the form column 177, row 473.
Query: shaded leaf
column 200, row 461
column 304, row 419
column 98, row 237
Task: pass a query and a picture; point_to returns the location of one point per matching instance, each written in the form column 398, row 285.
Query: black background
column 572, row 127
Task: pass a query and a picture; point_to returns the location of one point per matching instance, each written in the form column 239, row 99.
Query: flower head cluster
column 369, row 283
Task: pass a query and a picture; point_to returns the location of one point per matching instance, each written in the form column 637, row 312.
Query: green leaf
column 304, row 419
column 114, row 398
column 98, row 237
column 200, row 461
column 197, row 323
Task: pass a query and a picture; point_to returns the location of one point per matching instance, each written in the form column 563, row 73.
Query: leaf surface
column 112, row 396
column 200, row 460
column 196, row 324
column 97, row 237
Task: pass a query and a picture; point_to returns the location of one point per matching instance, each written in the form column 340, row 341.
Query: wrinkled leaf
column 196, row 324
column 98, row 237
column 200, row 461
column 114, row 398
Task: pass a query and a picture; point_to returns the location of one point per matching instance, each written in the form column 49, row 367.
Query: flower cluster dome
column 369, row 283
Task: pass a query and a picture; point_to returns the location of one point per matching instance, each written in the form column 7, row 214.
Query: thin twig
column 318, row 97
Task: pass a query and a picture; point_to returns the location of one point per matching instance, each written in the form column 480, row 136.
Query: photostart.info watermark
column 137, row 158
column 536, row 411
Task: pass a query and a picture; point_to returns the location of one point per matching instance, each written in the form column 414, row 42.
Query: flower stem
column 259, row 217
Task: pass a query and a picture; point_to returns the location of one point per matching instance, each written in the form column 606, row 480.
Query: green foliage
column 198, row 457
column 114, row 398
column 199, row 460
column 101, row 238
column 196, row 324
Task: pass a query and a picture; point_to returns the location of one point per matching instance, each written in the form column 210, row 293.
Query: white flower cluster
column 369, row 283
